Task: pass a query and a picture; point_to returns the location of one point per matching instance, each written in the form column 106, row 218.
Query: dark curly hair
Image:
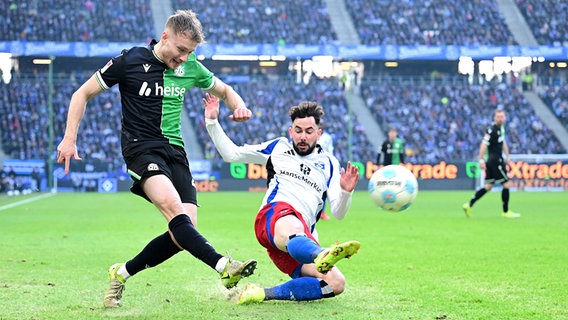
column 305, row 110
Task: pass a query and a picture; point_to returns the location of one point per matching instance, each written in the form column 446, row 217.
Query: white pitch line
column 17, row 203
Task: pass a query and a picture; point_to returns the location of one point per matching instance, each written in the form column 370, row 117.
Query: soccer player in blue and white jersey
column 300, row 175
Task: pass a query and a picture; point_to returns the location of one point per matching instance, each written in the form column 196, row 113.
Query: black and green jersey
column 393, row 152
column 151, row 93
column 493, row 138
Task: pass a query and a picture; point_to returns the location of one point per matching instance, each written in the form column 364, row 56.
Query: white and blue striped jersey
column 303, row 182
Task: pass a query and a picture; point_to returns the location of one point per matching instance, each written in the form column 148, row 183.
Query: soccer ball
column 393, row 188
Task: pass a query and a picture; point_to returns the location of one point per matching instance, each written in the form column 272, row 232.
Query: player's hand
column 65, row 151
column 241, row 114
column 211, row 104
column 482, row 164
column 349, row 177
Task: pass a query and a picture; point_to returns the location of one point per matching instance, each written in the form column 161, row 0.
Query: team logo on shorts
column 153, row 167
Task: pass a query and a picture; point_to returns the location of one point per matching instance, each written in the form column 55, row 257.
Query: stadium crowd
column 429, row 22
column 441, row 122
column 70, row 21
column 556, row 97
column 548, row 20
column 24, row 112
column 407, row 22
column 263, row 22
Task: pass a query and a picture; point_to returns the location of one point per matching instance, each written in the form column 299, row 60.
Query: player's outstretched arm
column 228, row 150
column 340, row 191
column 481, row 155
column 233, row 100
column 67, row 149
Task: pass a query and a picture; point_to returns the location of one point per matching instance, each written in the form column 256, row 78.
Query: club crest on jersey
column 305, row 169
column 179, row 71
column 319, row 165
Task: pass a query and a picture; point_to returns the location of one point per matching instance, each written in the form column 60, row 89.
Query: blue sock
column 303, row 249
column 299, row 289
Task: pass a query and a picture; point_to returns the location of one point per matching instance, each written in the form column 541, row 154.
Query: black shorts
column 146, row 159
column 496, row 171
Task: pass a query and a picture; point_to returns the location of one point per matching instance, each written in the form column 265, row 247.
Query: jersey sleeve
column 339, row 199
column 204, row 78
column 111, row 73
column 487, row 136
column 254, row 153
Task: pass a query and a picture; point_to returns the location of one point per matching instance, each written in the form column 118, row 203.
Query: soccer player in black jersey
column 152, row 82
column 392, row 149
column 491, row 159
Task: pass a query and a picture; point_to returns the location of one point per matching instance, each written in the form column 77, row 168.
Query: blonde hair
column 185, row 22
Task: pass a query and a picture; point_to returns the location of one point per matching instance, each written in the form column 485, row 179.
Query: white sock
column 123, row 272
column 220, row 266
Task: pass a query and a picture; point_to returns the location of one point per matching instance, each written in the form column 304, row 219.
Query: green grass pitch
column 429, row 262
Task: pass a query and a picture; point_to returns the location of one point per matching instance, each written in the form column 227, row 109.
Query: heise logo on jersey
column 166, row 91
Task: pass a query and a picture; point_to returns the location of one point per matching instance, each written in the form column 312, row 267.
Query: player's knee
column 336, row 280
column 488, row 187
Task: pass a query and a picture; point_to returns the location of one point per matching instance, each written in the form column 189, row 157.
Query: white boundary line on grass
column 17, row 203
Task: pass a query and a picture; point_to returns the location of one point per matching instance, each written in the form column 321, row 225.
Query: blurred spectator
column 3, row 180
column 35, row 180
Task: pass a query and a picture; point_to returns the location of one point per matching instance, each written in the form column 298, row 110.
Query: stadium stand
column 556, row 97
column 548, row 20
column 437, row 22
column 270, row 21
column 440, row 122
column 24, row 111
column 69, row 20
column 429, row 22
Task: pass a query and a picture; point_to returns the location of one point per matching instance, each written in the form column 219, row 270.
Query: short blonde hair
column 185, row 22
